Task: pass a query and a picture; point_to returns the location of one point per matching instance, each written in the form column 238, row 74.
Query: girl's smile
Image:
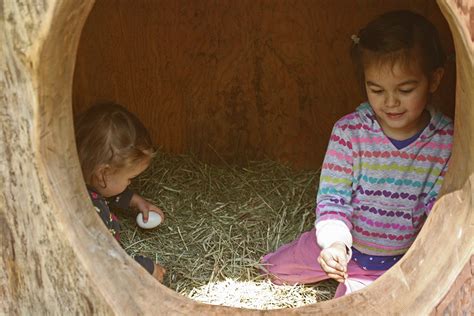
column 395, row 116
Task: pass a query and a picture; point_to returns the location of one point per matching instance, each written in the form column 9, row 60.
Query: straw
column 219, row 221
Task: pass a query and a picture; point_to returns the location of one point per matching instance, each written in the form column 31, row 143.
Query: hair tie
column 355, row 39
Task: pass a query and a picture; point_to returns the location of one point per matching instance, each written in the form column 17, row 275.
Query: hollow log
column 53, row 252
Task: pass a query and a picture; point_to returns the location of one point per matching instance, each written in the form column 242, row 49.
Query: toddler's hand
column 333, row 261
column 145, row 207
column 159, row 273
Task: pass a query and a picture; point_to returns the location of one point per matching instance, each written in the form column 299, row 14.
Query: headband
column 355, row 39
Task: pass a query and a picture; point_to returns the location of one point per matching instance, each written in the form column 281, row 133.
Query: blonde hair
column 110, row 134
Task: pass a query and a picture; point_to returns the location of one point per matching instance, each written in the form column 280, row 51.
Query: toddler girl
column 384, row 164
column 114, row 147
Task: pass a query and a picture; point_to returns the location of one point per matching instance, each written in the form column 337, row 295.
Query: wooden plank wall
column 234, row 80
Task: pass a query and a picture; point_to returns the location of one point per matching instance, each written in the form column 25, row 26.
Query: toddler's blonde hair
column 110, row 134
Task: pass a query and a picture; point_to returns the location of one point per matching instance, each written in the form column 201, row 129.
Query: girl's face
column 398, row 95
column 109, row 183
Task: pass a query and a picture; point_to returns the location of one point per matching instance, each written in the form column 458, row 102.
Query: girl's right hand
column 159, row 272
column 333, row 260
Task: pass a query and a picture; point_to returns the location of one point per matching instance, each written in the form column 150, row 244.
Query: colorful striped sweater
column 383, row 194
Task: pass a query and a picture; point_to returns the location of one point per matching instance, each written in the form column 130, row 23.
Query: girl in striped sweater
column 384, row 164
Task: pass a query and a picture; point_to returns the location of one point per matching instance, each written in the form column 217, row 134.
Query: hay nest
column 219, row 221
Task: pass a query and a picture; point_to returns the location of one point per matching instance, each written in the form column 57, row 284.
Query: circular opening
column 93, row 234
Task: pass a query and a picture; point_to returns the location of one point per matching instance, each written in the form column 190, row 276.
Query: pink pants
column 296, row 262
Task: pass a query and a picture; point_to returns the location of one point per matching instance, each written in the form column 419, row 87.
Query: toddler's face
column 399, row 94
column 119, row 180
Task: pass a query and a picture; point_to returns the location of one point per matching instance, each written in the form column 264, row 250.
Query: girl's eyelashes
column 404, row 91
column 376, row 91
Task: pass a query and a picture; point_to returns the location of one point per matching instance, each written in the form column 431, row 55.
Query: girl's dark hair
column 109, row 134
column 398, row 36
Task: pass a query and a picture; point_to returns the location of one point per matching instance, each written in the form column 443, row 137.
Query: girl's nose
column 391, row 101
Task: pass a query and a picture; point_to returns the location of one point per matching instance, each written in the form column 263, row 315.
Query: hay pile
column 219, row 221
column 257, row 295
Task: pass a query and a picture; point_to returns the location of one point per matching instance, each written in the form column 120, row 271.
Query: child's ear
column 100, row 175
column 435, row 79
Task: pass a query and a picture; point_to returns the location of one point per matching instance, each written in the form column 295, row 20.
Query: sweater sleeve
column 335, row 185
column 432, row 195
column 332, row 230
column 443, row 139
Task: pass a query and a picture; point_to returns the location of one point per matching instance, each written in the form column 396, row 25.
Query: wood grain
column 236, row 80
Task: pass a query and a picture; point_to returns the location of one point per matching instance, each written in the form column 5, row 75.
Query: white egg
column 154, row 219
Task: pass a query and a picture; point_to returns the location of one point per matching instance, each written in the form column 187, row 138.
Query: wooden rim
column 416, row 284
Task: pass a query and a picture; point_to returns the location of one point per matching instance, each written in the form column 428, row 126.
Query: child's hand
column 159, row 273
column 145, row 207
column 333, row 261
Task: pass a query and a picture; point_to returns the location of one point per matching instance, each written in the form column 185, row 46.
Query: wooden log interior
column 52, row 251
column 246, row 79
